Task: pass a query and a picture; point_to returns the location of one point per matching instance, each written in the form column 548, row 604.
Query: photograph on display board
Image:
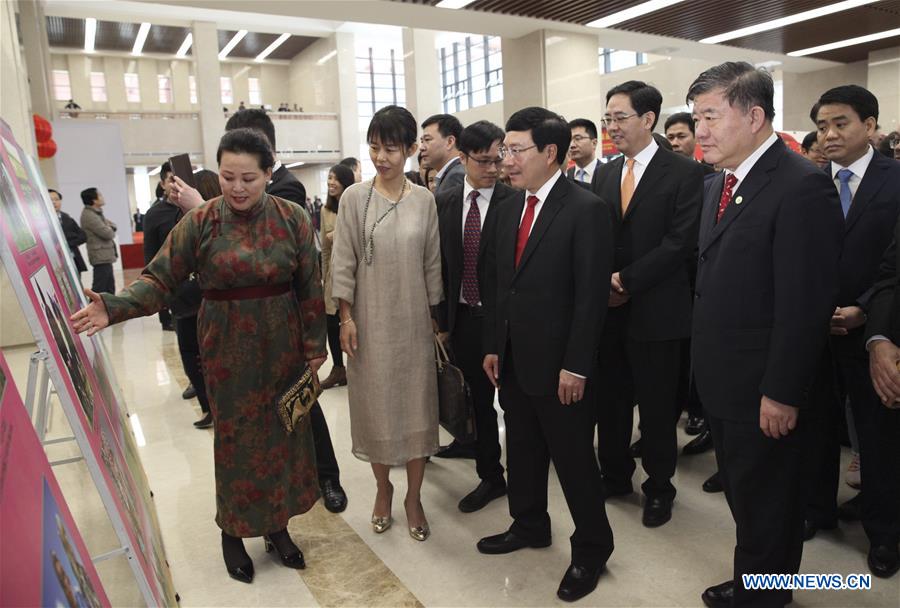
column 18, row 225
column 65, row 581
column 64, row 339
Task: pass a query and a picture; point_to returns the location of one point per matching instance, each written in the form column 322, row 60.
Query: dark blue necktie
column 846, row 196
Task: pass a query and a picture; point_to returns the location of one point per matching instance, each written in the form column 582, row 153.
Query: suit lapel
column 709, row 209
column 749, row 188
column 456, row 231
column 652, row 173
column 507, row 231
column 871, row 183
column 549, row 209
column 595, row 179
column 612, row 188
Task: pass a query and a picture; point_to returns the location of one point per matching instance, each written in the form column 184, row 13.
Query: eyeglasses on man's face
column 581, row 138
column 486, row 163
column 513, row 151
column 616, row 119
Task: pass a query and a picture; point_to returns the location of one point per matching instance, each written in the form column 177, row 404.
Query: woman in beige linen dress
column 386, row 274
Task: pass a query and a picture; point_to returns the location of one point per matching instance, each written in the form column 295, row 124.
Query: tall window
column 98, row 86
column 132, row 88
column 471, row 72
column 192, row 86
column 612, row 60
column 227, row 92
column 62, row 90
column 165, row 88
column 379, row 81
column 255, row 91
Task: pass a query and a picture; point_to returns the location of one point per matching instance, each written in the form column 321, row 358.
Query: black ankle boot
column 291, row 556
column 237, row 562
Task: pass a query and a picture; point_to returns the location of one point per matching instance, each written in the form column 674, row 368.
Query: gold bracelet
column 342, row 323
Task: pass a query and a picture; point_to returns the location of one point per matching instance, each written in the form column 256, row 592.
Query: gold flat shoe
column 420, row 533
column 381, row 524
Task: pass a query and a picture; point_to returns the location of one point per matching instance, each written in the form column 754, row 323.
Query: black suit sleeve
column 152, row 240
column 676, row 247
column 592, row 262
column 805, row 251
column 883, row 293
column 487, row 281
column 75, row 236
column 291, row 190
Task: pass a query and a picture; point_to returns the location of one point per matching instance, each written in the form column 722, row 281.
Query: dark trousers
column 539, row 428
column 326, row 461
column 165, row 317
column 647, row 373
column 468, row 355
column 688, row 399
column 878, row 429
column 334, row 339
column 189, row 349
column 763, row 481
column 103, row 282
column 823, row 454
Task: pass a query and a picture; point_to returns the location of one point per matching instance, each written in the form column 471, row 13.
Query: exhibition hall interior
column 621, row 327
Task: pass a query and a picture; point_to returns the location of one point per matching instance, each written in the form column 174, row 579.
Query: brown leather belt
column 247, row 293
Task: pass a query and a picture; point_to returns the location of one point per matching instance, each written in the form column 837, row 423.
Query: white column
column 345, row 45
column 209, row 95
column 422, row 73
column 524, row 72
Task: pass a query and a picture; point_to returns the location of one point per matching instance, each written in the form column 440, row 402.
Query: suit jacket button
column 702, row 258
column 512, row 292
column 696, row 296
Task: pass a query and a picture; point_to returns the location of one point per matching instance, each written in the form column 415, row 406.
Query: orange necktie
column 627, row 185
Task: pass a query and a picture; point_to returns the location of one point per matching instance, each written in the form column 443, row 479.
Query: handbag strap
column 440, row 353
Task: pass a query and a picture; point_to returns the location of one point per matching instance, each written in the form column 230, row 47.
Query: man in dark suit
column 654, row 195
column 74, row 235
column 583, row 150
column 869, row 188
column 544, row 284
column 159, row 220
column 463, row 212
column 440, row 135
column 285, row 185
column 770, row 239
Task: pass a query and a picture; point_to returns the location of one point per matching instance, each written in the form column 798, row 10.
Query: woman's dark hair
column 415, row 177
column 428, row 173
column 344, row 175
column 247, row 141
column 393, row 125
column 208, row 184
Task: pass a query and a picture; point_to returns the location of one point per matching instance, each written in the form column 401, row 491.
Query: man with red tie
column 545, row 284
column 770, row 237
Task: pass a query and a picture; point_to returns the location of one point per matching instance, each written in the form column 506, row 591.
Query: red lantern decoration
column 43, row 130
column 46, row 149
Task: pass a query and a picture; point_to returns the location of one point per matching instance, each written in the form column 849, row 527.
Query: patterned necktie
column 581, row 174
column 627, row 185
column 846, row 195
column 471, row 241
column 727, row 191
column 525, row 228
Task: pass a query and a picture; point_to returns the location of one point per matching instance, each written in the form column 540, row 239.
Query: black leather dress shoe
column 810, row 528
column 695, row 425
column 333, row 496
column 851, row 510
column 719, row 596
column 578, row 582
column 205, row 422
column 884, row 561
column 482, row 495
column 189, row 393
column 507, row 542
column 457, row 450
column 635, row 450
column 657, row 511
column 699, row 444
column 713, row 484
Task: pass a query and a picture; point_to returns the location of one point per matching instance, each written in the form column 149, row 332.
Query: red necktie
column 525, row 228
column 471, row 241
column 730, row 181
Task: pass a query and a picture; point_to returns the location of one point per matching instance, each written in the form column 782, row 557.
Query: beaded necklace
column 369, row 243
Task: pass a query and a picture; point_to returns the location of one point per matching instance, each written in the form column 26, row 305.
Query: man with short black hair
column 440, row 134
column 546, row 268
column 679, row 129
column 869, row 188
column 465, row 216
column 73, row 233
column 159, row 220
column 101, row 241
column 770, row 239
column 655, row 195
column 583, row 150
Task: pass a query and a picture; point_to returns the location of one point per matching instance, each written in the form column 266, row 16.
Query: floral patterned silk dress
column 252, row 350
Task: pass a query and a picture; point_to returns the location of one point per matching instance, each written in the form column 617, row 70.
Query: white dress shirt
column 744, row 168
column 641, row 160
column 858, row 168
column 440, row 174
column 588, row 169
column 542, row 194
column 484, row 201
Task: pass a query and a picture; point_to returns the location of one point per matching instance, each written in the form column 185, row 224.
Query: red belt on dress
column 247, row 293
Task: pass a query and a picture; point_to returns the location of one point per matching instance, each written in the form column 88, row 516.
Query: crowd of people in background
column 754, row 287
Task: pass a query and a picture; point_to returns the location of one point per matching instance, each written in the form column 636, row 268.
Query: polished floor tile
column 349, row 565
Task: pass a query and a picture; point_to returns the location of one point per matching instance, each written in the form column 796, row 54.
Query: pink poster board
column 57, row 569
column 49, row 290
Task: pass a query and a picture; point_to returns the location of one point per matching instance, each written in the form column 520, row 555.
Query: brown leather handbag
column 456, row 410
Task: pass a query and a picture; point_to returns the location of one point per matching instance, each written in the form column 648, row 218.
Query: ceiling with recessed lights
column 699, row 19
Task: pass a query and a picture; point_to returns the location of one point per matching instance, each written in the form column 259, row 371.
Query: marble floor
column 349, row 565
